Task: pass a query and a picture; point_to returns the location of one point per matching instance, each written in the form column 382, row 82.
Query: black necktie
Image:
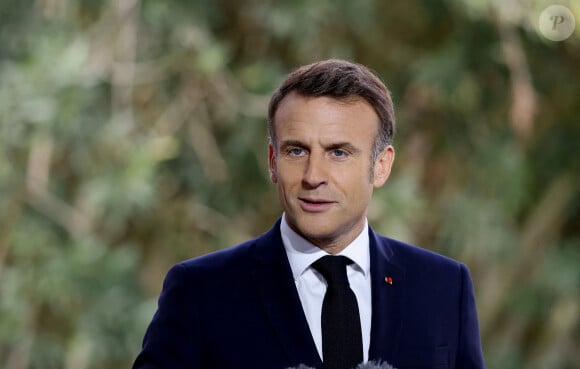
column 341, row 332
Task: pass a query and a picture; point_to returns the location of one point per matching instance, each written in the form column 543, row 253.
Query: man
column 272, row 302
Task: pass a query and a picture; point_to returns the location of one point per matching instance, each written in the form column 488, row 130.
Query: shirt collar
column 301, row 253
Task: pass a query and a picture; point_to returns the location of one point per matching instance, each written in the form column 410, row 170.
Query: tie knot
column 333, row 268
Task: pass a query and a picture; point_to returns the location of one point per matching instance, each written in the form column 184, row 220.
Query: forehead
column 352, row 118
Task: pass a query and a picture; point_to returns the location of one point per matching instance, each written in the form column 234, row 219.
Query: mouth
column 313, row 205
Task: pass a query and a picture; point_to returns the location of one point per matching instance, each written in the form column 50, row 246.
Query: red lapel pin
column 389, row 280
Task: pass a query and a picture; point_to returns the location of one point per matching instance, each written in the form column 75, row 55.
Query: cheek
column 354, row 185
column 286, row 183
column 353, row 177
column 288, row 173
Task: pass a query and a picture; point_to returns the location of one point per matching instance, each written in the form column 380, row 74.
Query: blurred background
column 133, row 136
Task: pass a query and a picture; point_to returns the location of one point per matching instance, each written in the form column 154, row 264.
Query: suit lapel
column 280, row 299
column 388, row 294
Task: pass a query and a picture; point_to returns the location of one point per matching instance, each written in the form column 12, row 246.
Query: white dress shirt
column 311, row 285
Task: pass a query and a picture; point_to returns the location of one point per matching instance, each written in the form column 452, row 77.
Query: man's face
column 321, row 166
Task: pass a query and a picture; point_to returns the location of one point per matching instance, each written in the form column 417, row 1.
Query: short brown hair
column 341, row 80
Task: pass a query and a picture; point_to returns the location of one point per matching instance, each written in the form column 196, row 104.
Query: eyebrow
column 294, row 143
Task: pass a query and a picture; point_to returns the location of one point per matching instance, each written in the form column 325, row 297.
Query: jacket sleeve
column 469, row 354
column 173, row 339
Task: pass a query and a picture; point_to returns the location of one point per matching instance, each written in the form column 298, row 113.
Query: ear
column 272, row 163
column 383, row 165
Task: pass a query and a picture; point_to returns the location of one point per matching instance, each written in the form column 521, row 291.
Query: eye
column 295, row 151
column 339, row 153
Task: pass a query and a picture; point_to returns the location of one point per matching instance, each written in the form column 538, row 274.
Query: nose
column 315, row 173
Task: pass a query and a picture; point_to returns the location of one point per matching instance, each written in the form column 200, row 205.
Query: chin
column 317, row 226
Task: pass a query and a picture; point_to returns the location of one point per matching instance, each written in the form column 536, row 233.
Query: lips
column 314, row 205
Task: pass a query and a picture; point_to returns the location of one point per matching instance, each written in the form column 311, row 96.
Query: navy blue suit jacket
column 239, row 308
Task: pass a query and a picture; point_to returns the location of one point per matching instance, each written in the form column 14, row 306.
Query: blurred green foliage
column 132, row 136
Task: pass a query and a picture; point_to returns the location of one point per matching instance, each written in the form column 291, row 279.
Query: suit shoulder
column 412, row 255
column 229, row 258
